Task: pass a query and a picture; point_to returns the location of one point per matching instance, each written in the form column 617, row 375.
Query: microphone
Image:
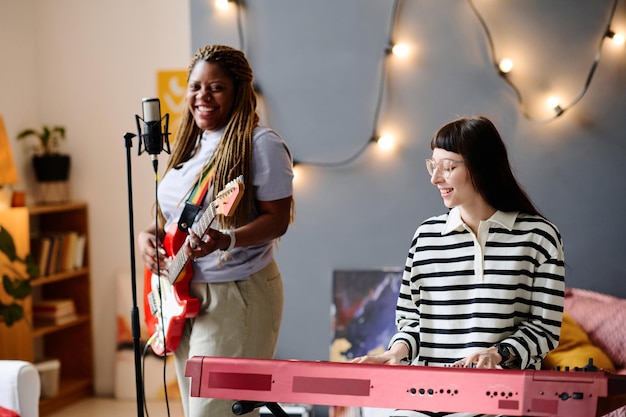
column 154, row 139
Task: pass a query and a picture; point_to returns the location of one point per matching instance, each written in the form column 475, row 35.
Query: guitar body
column 167, row 301
column 175, row 302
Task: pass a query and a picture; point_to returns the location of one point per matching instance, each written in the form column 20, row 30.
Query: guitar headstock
column 227, row 200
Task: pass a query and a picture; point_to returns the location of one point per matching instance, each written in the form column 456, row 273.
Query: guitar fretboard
column 181, row 258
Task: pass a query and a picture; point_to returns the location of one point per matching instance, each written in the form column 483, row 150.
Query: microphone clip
column 152, row 129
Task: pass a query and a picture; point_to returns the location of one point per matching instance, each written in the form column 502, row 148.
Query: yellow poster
column 171, row 89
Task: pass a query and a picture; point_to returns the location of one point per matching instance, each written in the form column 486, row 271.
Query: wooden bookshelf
column 71, row 343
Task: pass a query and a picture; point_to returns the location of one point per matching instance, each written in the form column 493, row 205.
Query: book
column 69, row 262
column 79, row 260
column 54, row 255
column 59, row 252
column 41, row 253
column 63, row 252
column 53, row 308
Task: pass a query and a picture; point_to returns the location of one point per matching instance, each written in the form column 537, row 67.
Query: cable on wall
column 503, row 68
column 556, row 106
column 379, row 99
column 239, row 6
column 380, row 94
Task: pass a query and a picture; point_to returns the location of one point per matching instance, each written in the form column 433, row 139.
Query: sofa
column 594, row 327
column 20, row 387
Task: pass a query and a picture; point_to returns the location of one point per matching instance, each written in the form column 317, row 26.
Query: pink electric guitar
column 165, row 314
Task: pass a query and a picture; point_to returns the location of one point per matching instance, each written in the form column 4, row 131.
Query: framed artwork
column 363, row 320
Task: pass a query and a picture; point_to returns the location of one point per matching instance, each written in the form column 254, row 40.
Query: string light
column 222, row 4
column 403, row 50
column 559, row 109
column 554, row 103
column 385, row 142
column 505, row 66
column 618, row 38
column 225, row 5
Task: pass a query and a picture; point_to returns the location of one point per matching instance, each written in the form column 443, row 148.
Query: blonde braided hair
column 233, row 156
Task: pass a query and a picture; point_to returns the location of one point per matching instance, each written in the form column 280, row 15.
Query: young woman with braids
column 235, row 276
column 483, row 284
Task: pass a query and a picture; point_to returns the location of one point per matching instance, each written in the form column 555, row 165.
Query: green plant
column 48, row 139
column 16, row 283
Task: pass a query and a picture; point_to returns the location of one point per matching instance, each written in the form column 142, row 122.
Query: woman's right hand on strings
column 149, row 248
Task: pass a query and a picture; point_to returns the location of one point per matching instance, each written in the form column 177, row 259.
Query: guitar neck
column 181, row 258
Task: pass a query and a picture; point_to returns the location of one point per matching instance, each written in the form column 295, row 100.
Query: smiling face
column 210, row 96
column 457, row 189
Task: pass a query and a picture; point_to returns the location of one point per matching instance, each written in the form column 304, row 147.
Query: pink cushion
column 620, row 412
column 603, row 317
column 5, row 412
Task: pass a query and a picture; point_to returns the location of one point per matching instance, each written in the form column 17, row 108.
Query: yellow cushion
column 575, row 349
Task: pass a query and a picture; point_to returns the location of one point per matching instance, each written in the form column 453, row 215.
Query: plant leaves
column 11, row 313
column 25, row 133
column 7, row 284
column 7, row 246
column 18, row 288
column 32, row 269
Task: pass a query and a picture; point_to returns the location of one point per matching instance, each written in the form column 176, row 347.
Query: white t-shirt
column 272, row 177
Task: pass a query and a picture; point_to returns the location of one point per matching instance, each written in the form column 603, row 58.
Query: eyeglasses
column 444, row 166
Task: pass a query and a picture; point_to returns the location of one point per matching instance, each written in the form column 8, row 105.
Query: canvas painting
column 363, row 320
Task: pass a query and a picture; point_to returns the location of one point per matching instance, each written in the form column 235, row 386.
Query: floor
column 107, row 407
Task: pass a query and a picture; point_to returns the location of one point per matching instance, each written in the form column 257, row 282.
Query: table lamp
column 8, row 173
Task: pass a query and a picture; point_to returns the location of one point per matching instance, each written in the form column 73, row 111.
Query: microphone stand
column 136, row 328
column 136, row 332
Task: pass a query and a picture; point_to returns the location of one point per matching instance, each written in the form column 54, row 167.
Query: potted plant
column 49, row 164
column 15, row 279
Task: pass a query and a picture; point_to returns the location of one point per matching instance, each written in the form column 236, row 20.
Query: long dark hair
column 478, row 141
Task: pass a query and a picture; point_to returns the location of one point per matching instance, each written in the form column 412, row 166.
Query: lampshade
column 8, row 173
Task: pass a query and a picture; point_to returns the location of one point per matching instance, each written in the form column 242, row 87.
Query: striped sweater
column 462, row 292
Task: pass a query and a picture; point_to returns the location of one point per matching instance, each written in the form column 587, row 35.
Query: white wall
column 19, row 74
column 87, row 65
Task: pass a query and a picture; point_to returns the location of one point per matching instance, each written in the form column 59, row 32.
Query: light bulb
column 553, row 101
column 296, row 172
column 506, row 65
column 401, row 50
column 618, row 39
column 385, row 142
column 222, row 4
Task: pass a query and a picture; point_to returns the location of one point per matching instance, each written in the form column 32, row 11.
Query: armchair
column 19, row 388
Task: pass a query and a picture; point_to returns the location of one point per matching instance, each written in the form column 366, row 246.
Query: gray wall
column 318, row 64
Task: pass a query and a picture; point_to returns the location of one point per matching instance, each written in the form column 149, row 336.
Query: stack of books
column 59, row 252
column 54, row 312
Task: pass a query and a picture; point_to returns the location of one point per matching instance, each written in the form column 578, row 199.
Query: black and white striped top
column 462, row 292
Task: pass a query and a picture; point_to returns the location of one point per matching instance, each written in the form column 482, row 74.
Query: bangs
column 447, row 138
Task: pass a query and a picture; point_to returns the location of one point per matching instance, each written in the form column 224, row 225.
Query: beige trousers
column 236, row 319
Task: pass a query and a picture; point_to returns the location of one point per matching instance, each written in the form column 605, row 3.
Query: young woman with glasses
column 483, row 284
